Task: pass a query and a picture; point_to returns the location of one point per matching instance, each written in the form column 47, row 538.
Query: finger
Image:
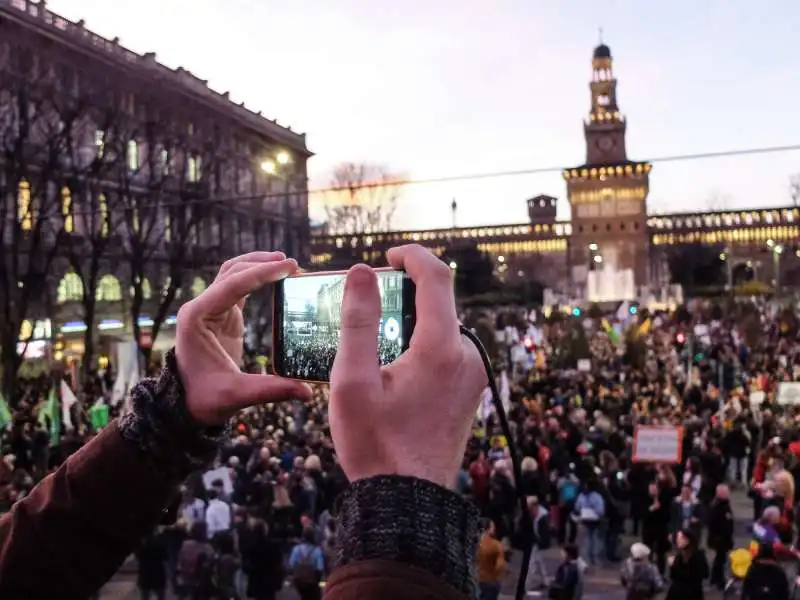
column 435, row 299
column 355, row 367
column 225, row 293
column 256, row 389
column 250, row 257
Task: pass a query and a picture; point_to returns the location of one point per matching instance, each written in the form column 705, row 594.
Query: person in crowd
column 766, row 578
column 151, row 558
column 686, row 513
column 262, row 560
column 569, row 488
column 195, row 560
column 226, row 568
column 655, row 532
column 491, row 562
column 569, row 578
column 542, row 540
column 640, row 577
column 218, row 515
column 720, row 523
column 590, row 508
column 687, row 570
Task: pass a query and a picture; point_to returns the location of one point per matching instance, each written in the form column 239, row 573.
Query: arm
column 80, row 523
column 402, row 537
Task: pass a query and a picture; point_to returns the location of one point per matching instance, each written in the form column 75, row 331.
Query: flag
column 98, row 415
column 505, row 392
column 5, row 413
column 50, row 412
column 613, row 336
column 68, row 400
column 644, row 328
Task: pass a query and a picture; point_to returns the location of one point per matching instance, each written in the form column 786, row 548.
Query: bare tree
column 363, row 199
column 794, row 189
column 35, row 154
column 718, row 201
column 164, row 188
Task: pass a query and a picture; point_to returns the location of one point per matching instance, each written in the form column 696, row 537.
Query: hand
column 210, row 342
column 414, row 416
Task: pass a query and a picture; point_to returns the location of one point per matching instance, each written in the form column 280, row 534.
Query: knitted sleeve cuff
column 412, row 521
column 162, row 429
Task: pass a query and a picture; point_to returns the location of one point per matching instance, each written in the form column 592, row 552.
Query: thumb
column 255, row 388
column 356, row 359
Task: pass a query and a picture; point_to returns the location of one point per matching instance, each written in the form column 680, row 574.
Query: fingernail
column 360, row 275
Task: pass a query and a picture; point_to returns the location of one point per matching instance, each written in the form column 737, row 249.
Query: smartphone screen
column 308, row 321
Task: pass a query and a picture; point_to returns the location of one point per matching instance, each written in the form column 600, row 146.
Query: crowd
column 265, row 515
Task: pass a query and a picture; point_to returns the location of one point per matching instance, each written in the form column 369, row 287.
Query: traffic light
column 528, row 343
column 633, row 309
column 576, row 312
column 680, row 338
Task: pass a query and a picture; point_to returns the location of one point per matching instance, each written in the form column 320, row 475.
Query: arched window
column 70, row 289
column 66, row 210
column 104, row 218
column 24, row 206
column 109, row 289
column 147, row 290
column 198, row 287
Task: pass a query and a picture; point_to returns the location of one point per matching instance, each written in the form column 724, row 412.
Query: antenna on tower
column 600, row 34
column 454, row 208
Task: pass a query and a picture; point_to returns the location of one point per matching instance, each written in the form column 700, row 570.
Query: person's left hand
column 210, row 342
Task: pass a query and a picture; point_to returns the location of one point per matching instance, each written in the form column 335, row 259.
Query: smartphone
column 307, row 321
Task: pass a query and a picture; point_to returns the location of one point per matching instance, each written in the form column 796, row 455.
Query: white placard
column 657, row 444
column 789, row 392
column 584, row 365
column 757, row 398
column 222, row 473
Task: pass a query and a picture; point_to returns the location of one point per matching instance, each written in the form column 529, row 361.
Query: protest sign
column 789, row 392
column 657, row 444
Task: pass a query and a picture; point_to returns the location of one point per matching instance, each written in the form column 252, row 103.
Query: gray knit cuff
column 411, row 521
column 161, row 427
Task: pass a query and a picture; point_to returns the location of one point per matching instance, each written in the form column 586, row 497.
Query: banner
column 657, row 444
column 789, row 392
column 127, row 371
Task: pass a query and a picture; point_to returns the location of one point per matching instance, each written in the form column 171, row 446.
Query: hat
column 639, row 551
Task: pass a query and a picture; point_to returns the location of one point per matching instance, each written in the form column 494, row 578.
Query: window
column 193, row 169
column 100, row 142
column 24, row 206
column 104, row 218
column 108, row 289
column 66, row 210
column 167, row 225
column 135, row 224
column 198, row 287
column 70, row 289
column 133, row 155
column 602, row 100
column 165, row 161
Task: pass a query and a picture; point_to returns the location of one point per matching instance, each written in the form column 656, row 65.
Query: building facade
column 609, row 226
column 129, row 166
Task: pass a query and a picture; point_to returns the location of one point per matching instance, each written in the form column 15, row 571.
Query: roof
column 602, row 51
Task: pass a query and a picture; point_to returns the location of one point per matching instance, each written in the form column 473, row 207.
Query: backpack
column 642, row 583
column 569, row 491
column 305, row 574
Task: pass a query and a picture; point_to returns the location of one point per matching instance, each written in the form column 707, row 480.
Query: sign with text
column 657, row 444
column 789, row 392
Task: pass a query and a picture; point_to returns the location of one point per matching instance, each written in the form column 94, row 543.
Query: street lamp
column 593, row 247
column 276, row 166
column 501, row 259
column 598, row 259
column 724, row 257
column 453, row 265
column 777, row 250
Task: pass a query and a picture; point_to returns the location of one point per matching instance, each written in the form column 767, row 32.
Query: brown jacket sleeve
column 70, row 535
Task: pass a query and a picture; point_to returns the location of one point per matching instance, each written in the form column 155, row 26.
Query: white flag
column 68, row 400
column 505, row 392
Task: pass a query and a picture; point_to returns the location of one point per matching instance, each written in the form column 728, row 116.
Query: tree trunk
column 89, row 312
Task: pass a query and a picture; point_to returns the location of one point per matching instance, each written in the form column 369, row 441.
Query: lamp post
column 725, row 257
column 279, row 166
column 777, row 251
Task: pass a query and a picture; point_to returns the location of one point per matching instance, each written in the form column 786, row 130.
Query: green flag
column 5, row 413
column 99, row 415
column 52, row 410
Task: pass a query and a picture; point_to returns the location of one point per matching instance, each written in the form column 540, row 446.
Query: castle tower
column 607, row 194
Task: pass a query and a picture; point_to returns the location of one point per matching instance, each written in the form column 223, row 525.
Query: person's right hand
column 412, row 417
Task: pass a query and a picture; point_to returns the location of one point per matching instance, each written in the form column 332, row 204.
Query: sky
column 441, row 88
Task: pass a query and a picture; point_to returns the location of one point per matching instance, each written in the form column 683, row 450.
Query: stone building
column 120, row 152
